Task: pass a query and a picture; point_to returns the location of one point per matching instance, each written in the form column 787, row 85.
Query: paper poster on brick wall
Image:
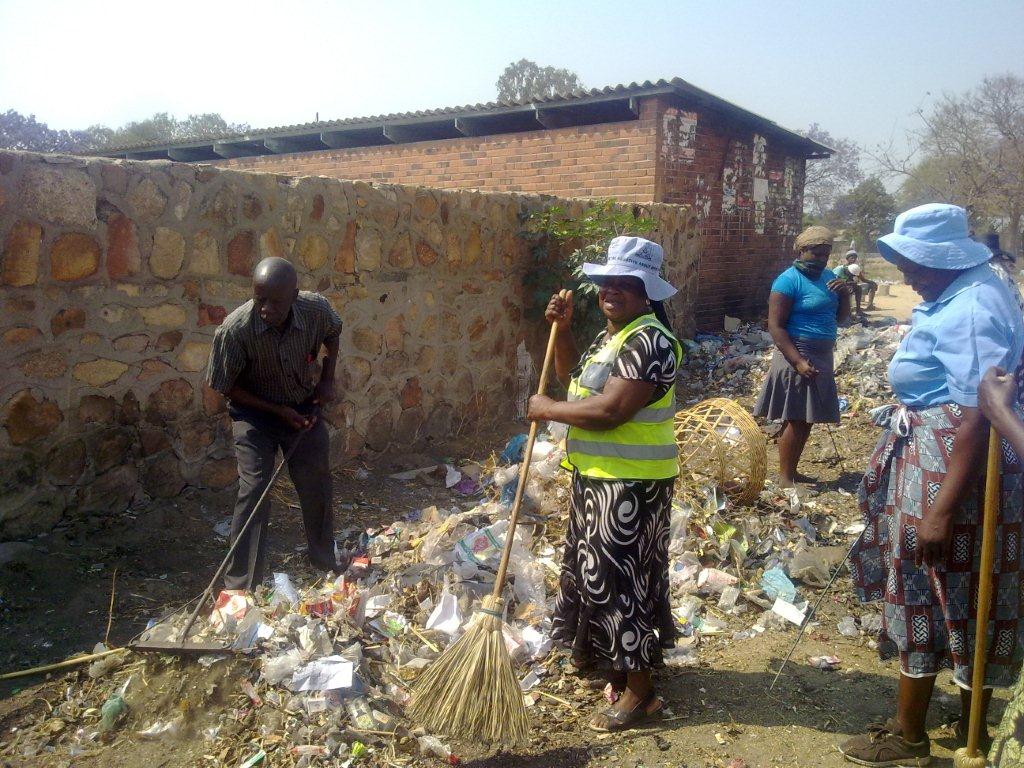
column 759, row 218
column 759, row 154
column 702, row 197
column 679, row 136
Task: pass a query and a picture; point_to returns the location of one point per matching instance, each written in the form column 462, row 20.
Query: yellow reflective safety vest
column 643, row 448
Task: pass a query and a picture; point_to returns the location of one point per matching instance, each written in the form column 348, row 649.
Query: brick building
column 668, row 141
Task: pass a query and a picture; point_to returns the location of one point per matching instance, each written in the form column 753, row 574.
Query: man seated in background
column 853, row 273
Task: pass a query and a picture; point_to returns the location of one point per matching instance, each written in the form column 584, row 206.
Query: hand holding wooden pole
column 524, row 468
column 969, row 757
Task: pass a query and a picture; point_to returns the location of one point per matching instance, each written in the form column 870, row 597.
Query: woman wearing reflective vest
column 613, row 608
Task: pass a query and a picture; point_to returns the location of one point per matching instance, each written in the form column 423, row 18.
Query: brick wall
column 747, row 193
column 607, row 160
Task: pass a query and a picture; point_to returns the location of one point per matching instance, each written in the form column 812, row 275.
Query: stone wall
column 115, row 274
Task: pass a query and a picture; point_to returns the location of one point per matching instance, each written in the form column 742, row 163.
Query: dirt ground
column 719, row 714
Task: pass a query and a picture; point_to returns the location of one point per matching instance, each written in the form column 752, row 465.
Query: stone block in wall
column 169, row 401
column 66, row 462
column 204, row 257
column 168, row 253
column 97, row 409
column 240, row 254
column 162, row 477
column 194, row 356
column 123, row 257
column 99, row 372
column 74, row 256
column 109, row 448
column 58, row 194
column 270, row 245
column 21, row 254
column 113, row 490
column 166, row 315
column 345, row 259
column 219, row 473
column 168, row 341
column 20, row 336
column 46, row 364
column 367, row 341
column 313, row 251
column 28, row 418
column 368, row 250
column 147, row 200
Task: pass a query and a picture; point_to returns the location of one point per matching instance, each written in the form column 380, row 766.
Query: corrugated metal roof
column 593, row 95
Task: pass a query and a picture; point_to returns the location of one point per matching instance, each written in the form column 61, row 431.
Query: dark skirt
column 613, row 606
column 788, row 396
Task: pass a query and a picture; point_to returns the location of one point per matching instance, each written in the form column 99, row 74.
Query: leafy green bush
column 585, row 237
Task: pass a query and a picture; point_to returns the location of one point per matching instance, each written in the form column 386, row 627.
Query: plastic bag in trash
column 277, row 669
column 776, row 583
column 514, row 449
column 528, row 584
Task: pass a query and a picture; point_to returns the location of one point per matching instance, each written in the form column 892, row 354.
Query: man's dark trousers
column 258, row 437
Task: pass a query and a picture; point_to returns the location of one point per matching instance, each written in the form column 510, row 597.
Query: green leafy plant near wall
column 586, row 237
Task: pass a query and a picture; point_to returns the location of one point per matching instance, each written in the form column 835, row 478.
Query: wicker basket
column 719, row 441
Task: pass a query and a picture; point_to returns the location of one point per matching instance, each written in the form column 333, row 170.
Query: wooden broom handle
column 988, row 551
column 524, row 469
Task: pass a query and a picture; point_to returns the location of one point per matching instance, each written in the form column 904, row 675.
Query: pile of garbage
column 736, row 361
column 321, row 670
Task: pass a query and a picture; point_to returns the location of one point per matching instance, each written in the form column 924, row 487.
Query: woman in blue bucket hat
column 920, row 553
column 612, row 611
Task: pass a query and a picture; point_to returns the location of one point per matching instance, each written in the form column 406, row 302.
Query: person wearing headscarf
column 920, row 551
column 612, row 611
column 805, row 306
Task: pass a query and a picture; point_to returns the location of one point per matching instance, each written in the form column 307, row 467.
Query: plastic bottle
column 431, row 745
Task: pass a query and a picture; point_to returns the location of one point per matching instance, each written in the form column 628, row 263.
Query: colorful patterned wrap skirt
column 929, row 613
column 613, row 608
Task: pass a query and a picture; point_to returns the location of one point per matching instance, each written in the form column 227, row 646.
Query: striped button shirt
column 276, row 364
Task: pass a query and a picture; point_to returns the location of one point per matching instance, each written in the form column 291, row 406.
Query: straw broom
column 969, row 756
column 471, row 691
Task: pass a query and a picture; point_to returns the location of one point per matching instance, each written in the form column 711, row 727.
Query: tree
column 826, row 180
column 970, row 151
column 524, row 80
column 18, row 131
column 867, row 211
column 163, row 127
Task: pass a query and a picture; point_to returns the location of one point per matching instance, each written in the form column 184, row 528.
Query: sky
column 859, row 68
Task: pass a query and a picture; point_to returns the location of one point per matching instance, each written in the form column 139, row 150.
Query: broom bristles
column 471, row 692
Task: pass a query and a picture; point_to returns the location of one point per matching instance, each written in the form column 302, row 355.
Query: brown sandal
column 611, row 720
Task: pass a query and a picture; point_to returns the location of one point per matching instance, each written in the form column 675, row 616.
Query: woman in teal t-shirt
column 804, row 308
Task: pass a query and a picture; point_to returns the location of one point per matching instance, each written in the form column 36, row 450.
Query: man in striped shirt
column 265, row 362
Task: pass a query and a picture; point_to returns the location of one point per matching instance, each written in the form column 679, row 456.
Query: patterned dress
column 613, row 608
column 929, row 613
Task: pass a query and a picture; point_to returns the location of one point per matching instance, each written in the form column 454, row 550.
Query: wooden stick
column 61, row 664
column 238, row 539
column 988, row 551
column 110, row 611
column 524, row 469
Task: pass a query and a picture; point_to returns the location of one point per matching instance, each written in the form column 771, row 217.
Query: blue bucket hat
column 935, row 235
column 634, row 257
